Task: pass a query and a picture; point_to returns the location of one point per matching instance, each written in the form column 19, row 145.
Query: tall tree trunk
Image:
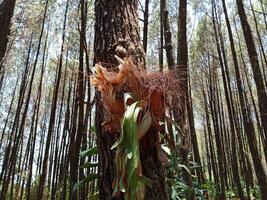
column 36, row 118
column 264, row 14
column 74, row 162
column 253, row 56
column 53, row 112
column 117, row 33
column 15, row 122
column 183, row 118
column 191, row 122
column 18, row 139
column 145, row 30
column 234, row 160
column 262, row 99
column 167, row 34
column 161, row 39
column 6, row 12
column 214, row 114
column 210, row 139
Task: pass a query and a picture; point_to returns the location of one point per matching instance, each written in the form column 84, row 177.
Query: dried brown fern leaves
column 159, row 91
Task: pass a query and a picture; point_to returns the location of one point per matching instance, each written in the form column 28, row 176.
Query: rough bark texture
column 117, row 33
column 6, row 13
column 167, row 34
column 253, row 56
column 262, row 98
column 182, row 118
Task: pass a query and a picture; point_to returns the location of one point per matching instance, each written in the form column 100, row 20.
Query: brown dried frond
column 160, row 90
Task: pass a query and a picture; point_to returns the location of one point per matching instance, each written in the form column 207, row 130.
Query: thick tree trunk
column 6, row 13
column 262, row 98
column 253, row 56
column 183, row 118
column 117, row 33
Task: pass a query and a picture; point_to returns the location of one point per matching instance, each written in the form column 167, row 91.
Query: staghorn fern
column 159, row 92
column 130, row 179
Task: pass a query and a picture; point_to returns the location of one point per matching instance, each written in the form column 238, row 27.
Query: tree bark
column 183, row 118
column 161, row 39
column 6, row 12
column 167, row 34
column 231, row 110
column 195, row 147
column 80, row 95
column 53, row 112
column 117, row 33
column 145, row 30
column 253, row 56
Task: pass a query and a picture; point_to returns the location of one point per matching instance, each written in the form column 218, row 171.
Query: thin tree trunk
column 235, row 164
column 161, row 39
column 210, row 139
column 191, row 122
column 259, row 36
column 74, row 165
column 167, row 34
column 20, row 130
column 145, row 30
column 53, row 112
column 214, row 114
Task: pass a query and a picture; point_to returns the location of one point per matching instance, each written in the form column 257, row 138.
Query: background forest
column 213, row 145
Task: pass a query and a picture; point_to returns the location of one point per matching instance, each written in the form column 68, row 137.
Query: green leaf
column 173, row 194
column 87, row 179
column 147, row 181
column 119, row 141
column 77, row 185
column 89, row 152
column 94, row 196
column 174, row 123
column 183, row 186
column 89, row 165
column 93, row 129
column 130, row 155
column 127, row 159
column 130, row 125
column 184, row 167
column 144, row 125
column 90, row 178
column 195, row 167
